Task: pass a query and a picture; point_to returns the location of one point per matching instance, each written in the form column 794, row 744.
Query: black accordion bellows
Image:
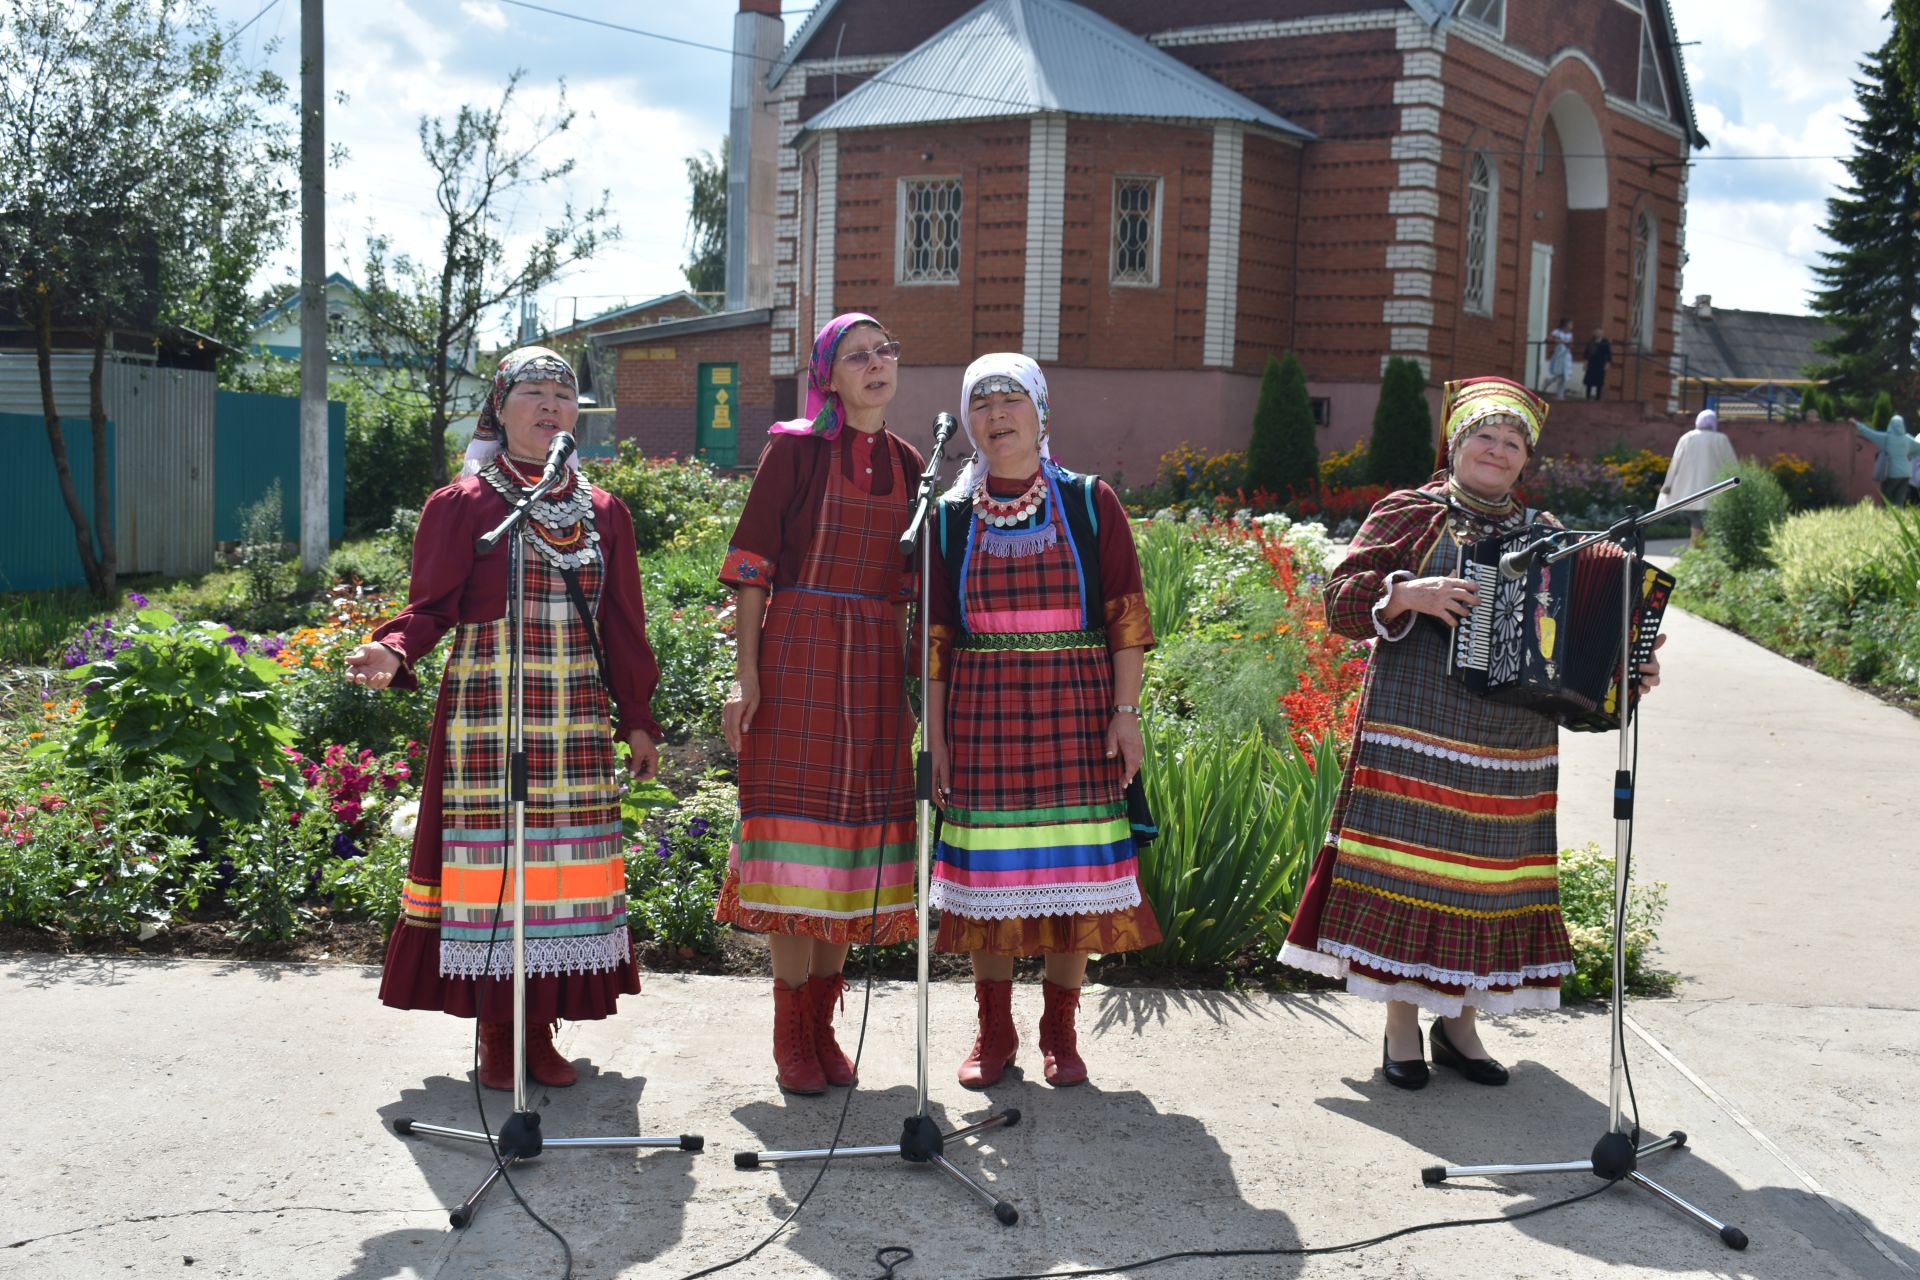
column 1550, row 640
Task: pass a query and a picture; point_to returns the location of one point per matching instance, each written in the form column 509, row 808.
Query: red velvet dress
column 571, row 760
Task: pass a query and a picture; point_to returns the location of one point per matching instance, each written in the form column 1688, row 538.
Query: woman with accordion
column 1438, row 888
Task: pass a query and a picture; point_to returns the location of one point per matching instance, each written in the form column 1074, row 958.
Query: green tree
column 1400, row 453
column 146, row 177
column 1282, row 456
column 1870, row 284
column 706, row 268
column 1882, row 412
column 421, row 319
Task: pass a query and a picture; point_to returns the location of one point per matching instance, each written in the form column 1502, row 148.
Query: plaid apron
column 826, row 785
column 575, row 869
column 1036, row 824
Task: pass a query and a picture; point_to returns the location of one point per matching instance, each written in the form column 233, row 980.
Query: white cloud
column 1777, row 80
column 486, row 13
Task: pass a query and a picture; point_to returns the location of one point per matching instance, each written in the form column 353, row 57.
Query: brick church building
column 1151, row 199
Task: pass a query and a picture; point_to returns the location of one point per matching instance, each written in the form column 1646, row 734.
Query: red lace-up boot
column 496, row 1055
column 825, row 990
column 796, row 1061
column 1059, row 1043
column 544, row 1063
column 998, row 1041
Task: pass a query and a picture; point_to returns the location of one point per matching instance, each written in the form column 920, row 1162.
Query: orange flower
column 47, row 706
column 36, row 735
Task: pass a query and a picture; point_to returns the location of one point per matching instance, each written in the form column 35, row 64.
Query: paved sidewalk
column 237, row 1114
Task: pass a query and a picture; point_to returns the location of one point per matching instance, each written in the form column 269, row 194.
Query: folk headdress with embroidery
column 999, row 371
column 522, row 364
column 824, row 413
column 1471, row 401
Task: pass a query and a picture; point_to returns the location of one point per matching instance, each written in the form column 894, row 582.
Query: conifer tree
column 1870, row 285
column 1400, row 454
column 1282, row 457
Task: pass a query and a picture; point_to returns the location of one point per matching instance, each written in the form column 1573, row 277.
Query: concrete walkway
column 172, row 1119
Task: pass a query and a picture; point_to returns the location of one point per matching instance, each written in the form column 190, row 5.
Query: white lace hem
column 1541, row 764
column 1334, row 957
column 546, row 957
column 1398, row 575
column 1023, row 901
column 1440, row 1002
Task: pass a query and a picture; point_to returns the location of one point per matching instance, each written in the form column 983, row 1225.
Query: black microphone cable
column 905, row 722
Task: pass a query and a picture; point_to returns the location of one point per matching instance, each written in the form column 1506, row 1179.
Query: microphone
column 1515, row 564
column 558, row 451
column 943, row 426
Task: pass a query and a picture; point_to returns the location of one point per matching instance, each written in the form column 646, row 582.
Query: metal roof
column 1022, row 57
column 1750, row 344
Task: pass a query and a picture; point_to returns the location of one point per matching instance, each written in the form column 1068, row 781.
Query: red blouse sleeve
column 631, row 666
column 1391, row 544
column 442, row 563
column 753, row 553
column 1123, row 596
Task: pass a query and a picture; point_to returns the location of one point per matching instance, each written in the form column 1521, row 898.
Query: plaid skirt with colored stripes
column 1439, row 882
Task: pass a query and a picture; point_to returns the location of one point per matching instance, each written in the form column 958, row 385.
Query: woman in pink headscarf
column 824, row 854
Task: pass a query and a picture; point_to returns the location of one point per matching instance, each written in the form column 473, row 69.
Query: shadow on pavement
column 617, row 1207
column 1541, row 1118
column 1099, row 1178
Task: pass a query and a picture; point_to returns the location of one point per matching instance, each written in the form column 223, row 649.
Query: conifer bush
column 1282, row 456
column 1401, row 450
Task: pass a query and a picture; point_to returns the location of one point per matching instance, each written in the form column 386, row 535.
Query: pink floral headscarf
column 824, row 414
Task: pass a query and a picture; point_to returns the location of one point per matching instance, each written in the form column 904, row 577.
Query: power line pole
column 314, row 487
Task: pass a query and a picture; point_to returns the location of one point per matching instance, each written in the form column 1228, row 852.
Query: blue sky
column 1774, row 82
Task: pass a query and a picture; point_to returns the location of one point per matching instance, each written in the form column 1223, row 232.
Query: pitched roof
column 1021, row 57
column 634, row 309
column 1750, row 344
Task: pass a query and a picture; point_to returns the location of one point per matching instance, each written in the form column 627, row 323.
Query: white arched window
column 1483, row 198
column 1646, row 279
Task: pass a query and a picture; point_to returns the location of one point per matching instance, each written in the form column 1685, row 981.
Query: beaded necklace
column 1007, row 512
column 1015, row 528
column 561, row 521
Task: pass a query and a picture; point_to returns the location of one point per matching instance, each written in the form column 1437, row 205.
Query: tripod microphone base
column 1615, row 1158
column 921, row 1142
column 519, row 1140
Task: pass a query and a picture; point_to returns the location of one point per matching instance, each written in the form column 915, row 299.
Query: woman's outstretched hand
column 372, row 665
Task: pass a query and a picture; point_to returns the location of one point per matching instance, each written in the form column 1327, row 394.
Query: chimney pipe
column 1703, row 306
column 753, row 143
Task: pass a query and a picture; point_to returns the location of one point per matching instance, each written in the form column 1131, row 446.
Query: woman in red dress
column 451, row 950
column 824, row 854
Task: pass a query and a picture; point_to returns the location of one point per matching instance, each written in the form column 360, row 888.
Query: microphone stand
column 1616, row 1156
column 921, row 1139
column 519, row 1138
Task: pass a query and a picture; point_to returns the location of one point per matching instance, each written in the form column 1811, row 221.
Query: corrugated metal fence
column 164, row 452
column 36, row 533
column 257, row 441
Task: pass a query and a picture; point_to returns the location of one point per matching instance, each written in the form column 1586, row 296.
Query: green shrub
column 1240, row 820
column 694, row 647
column 673, row 880
column 368, row 887
column 261, row 558
column 370, row 562
column 667, row 496
column 1168, row 552
column 1282, row 456
column 34, row 625
column 1809, row 485
column 1842, row 555
column 1401, row 451
column 276, row 862
column 180, row 700
column 1586, row 902
column 1741, row 520
column 1882, row 412
column 90, row 858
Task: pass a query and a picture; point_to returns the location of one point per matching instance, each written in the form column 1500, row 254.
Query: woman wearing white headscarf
column 1702, row 457
column 1039, row 631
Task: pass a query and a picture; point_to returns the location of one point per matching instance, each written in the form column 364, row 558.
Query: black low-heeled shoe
column 1479, row 1070
column 1408, row 1074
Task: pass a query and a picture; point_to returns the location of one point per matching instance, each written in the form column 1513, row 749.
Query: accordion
column 1550, row 640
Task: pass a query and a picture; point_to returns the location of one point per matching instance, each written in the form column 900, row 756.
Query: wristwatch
column 1127, row 707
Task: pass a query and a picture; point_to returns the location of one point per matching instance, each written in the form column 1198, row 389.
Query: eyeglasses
column 861, row 359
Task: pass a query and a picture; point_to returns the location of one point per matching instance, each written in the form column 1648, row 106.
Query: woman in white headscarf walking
column 1702, row 457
